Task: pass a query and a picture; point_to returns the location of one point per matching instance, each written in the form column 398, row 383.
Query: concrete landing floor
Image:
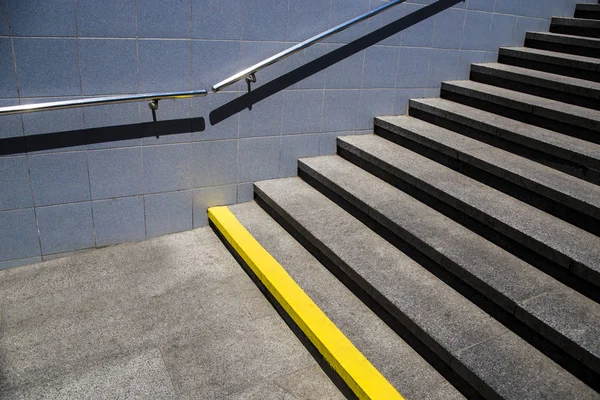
column 170, row 318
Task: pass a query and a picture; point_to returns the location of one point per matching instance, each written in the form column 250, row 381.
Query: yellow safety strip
column 350, row 364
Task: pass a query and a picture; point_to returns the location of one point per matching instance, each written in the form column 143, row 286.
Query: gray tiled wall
column 84, row 193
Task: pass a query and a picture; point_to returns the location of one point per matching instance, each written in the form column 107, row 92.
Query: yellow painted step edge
column 351, row 365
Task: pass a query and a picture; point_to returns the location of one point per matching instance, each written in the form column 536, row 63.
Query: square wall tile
column 167, row 168
column 346, row 73
column 264, row 20
column 211, row 197
column 476, row 31
column 342, row 11
column 115, row 172
column 264, row 119
column 8, row 83
column 413, row 67
column 67, row 227
column 502, row 32
column 340, row 110
column 421, row 33
column 55, row 121
column 119, row 220
column 39, row 59
column 442, row 66
column 205, row 106
column 164, row 19
column 302, row 110
column 116, row 119
column 108, row 66
column 258, row 159
column 525, row 25
column 481, row 5
column 213, row 61
column 164, row 65
column 449, row 28
column 18, row 235
column 245, row 192
column 15, row 190
column 328, row 141
column 402, row 97
column 4, row 29
column 168, row 213
column 214, row 163
column 313, row 80
column 507, row 6
column 380, row 67
column 373, row 103
column 307, row 18
column 217, row 19
column 59, row 178
column 43, row 18
column 295, row 147
column 388, row 17
column 465, row 59
column 111, row 18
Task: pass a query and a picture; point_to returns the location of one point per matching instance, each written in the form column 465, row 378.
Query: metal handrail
column 99, row 101
column 248, row 73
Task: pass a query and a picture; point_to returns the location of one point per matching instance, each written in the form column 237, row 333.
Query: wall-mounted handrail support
column 100, row 101
column 249, row 72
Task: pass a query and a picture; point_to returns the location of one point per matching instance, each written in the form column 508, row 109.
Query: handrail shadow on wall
column 66, row 139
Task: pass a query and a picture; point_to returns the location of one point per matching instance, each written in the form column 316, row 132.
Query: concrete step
column 575, row 26
column 526, row 294
column 568, row 154
column 580, row 45
column 402, row 366
column 560, row 194
column 581, row 67
column 569, row 119
column 567, row 252
column 588, row 11
column 494, row 360
column 538, row 83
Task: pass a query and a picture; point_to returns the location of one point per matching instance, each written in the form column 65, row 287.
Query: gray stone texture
column 166, row 318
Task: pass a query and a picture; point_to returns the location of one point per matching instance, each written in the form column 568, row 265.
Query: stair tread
column 567, row 84
column 510, row 282
column 563, row 38
column 569, row 246
column 392, row 356
column 552, row 57
column 576, row 115
column 457, row 330
column 557, row 185
column 555, row 143
column 576, row 22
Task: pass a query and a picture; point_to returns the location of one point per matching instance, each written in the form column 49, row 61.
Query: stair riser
column 562, row 48
column 575, row 30
column 383, row 308
column 510, row 142
column 529, row 118
column 587, row 14
column 491, row 176
column 547, row 260
column 554, row 69
column 558, row 94
column 556, row 347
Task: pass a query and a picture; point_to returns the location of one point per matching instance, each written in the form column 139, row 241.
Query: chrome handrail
column 98, row 101
column 248, row 73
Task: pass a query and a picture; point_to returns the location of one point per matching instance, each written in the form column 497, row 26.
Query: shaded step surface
column 494, row 360
column 550, row 61
column 406, row 370
column 580, row 45
column 575, row 26
column 566, row 193
column 544, row 84
column 562, row 243
column 563, row 316
column 574, row 156
column 551, row 114
column 589, row 11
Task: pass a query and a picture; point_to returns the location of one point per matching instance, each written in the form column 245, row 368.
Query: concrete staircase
column 459, row 246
